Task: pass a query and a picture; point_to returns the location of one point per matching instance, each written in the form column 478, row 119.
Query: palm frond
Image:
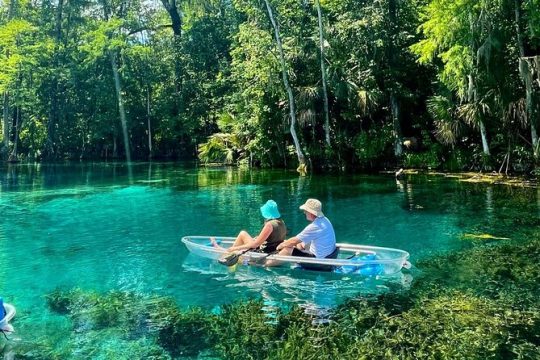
column 367, row 100
column 447, row 126
column 306, row 117
column 516, row 112
column 472, row 113
column 307, row 95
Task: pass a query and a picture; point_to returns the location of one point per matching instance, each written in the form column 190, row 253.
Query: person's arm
column 257, row 241
column 300, row 240
column 292, row 242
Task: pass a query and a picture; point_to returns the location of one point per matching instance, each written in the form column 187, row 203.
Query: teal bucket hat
column 270, row 210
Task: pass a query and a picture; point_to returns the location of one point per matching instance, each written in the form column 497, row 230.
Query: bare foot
column 215, row 243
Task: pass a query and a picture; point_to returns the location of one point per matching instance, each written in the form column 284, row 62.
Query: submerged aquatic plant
column 242, row 331
column 480, row 303
column 181, row 333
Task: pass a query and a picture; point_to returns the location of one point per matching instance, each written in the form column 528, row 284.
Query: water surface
column 101, row 227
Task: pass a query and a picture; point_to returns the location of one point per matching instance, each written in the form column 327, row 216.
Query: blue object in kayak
column 2, row 309
column 365, row 269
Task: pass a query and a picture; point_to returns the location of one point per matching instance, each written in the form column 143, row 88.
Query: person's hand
column 301, row 246
column 284, row 244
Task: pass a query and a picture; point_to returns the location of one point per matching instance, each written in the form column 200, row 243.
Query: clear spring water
column 102, row 227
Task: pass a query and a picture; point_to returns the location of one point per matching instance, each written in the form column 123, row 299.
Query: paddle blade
column 229, row 260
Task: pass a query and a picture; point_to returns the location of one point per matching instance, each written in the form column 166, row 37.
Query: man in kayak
column 318, row 235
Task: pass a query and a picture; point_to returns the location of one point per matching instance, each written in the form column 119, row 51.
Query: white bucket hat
column 313, row 206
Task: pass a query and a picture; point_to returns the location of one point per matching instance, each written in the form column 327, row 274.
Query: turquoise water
column 102, row 227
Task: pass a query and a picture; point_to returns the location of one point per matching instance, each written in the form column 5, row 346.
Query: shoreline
column 475, row 177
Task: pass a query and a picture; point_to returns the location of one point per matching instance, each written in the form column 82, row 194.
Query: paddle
column 232, row 259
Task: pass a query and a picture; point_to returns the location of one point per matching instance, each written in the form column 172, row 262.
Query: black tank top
column 279, row 231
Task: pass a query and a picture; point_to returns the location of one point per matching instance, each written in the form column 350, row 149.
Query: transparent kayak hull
column 10, row 314
column 367, row 260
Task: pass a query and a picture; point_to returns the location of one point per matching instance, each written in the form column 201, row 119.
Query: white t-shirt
column 320, row 234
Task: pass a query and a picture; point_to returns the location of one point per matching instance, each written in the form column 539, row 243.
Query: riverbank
column 475, row 177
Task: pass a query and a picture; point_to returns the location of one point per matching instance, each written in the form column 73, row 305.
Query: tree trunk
column 394, row 102
column 13, row 4
column 176, row 24
column 473, row 97
column 5, row 125
column 537, row 64
column 302, row 167
column 472, row 93
column 148, row 122
column 323, row 76
column 13, row 157
column 398, row 144
column 121, row 110
column 526, row 75
column 483, row 133
column 115, row 146
column 172, row 9
column 50, row 151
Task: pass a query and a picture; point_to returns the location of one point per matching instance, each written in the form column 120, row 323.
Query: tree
column 453, row 32
column 19, row 50
column 49, row 151
column 302, row 167
column 526, row 72
column 323, row 74
column 176, row 19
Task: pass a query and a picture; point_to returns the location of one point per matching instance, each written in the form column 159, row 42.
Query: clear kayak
column 357, row 259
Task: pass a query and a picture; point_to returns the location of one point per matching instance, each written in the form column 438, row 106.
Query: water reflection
column 489, row 203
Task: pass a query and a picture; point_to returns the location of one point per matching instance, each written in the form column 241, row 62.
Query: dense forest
column 451, row 84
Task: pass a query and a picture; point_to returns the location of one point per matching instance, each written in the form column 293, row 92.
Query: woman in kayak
column 271, row 235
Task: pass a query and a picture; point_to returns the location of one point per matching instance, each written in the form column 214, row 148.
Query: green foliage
column 33, row 136
column 93, row 311
column 456, row 160
column 147, row 326
column 184, row 333
column 456, row 61
column 243, row 331
column 100, row 41
column 373, row 145
column 12, row 54
column 220, row 148
column 450, row 326
column 447, row 126
column 424, row 160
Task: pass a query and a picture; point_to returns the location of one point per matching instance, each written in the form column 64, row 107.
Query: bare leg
column 215, row 243
column 243, row 238
column 285, row 252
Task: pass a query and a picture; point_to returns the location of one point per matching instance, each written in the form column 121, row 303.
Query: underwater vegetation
column 480, row 303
